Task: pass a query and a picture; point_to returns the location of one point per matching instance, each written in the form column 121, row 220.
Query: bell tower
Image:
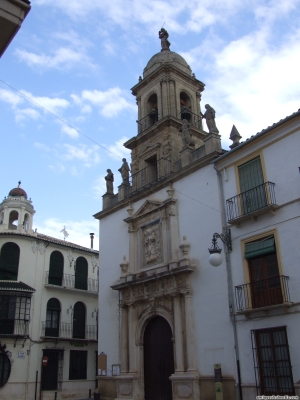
column 167, row 94
column 16, row 212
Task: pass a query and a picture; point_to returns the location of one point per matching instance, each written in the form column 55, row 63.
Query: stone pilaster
column 124, row 340
column 190, row 333
column 178, row 335
column 164, row 96
column 132, row 317
column 172, row 98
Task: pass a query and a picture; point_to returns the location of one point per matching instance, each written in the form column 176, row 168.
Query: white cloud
column 21, row 114
column 10, row 97
column 109, row 102
column 79, row 232
column 118, row 151
column 71, row 132
column 61, row 58
column 88, row 155
column 54, row 104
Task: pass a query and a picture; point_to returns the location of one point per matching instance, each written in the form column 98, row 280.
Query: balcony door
column 52, row 319
column 79, row 321
column 253, row 195
column 264, row 273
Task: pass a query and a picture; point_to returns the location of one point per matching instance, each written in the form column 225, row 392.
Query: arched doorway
column 158, row 360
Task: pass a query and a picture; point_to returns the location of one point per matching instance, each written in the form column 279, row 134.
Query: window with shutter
column 9, row 262
column 81, row 273
column 252, row 186
column 79, row 321
column 56, row 268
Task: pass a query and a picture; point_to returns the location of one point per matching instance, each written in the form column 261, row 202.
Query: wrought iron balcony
column 65, row 330
column 150, row 175
column 148, row 121
column 14, row 327
column 251, row 203
column 152, row 118
column 68, row 281
column 262, row 293
column 194, row 119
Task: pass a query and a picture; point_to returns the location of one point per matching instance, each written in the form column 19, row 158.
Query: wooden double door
column 158, row 360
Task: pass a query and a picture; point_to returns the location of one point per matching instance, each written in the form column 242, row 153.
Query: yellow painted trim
column 246, row 159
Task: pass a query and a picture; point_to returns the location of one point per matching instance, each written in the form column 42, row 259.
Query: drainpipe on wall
column 230, row 287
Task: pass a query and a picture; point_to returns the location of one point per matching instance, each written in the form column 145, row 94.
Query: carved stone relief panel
column 152, row 244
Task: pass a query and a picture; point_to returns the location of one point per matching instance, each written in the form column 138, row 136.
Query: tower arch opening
column 13, row 219
column 151, row 109
column 185, row 106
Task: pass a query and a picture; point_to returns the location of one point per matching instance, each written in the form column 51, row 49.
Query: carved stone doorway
column 158, row 360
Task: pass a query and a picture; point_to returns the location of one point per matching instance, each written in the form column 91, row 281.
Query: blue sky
column 79, row 59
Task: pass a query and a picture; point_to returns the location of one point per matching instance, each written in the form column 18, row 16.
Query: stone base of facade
column 185, row 386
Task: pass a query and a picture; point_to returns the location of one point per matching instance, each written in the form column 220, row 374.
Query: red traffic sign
column 45, row 361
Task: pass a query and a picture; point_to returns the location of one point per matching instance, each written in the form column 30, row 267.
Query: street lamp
column 215, row 259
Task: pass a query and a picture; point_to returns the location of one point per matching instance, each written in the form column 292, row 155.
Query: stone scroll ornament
column 210, row 116
column 163, row 36
column 109, row 182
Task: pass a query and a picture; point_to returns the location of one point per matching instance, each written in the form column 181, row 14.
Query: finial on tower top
column 19, row 184
column 163, row 36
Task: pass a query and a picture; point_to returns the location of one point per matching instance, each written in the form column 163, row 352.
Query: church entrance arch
column 158, row 360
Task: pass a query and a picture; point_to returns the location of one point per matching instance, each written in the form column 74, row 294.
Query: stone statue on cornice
column 163, row 36
column 210, row 116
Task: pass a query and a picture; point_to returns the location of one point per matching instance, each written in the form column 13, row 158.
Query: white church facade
column 48, row 309
column 174, row 326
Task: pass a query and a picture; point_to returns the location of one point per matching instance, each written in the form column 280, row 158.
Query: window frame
column 78, row 357
column 259, row 352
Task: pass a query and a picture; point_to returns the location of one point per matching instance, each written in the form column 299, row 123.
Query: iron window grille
column 78, row 364
column 14, row 313
column 272, row 364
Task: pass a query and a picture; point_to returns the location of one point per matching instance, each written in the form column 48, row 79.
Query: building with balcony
column 259, row 180
column 12, row 15
column 172, row 320
column 48, row 309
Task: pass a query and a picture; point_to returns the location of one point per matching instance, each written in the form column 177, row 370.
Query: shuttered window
column 78, row 364
column 260, row 247
column 81, row 273
column 79, row 321
column 9, row 262
column 56, row 268
column 252, row 186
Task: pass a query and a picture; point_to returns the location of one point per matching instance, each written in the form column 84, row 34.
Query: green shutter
column 81, row 273
column 251, row 174
column 56, row 268
column 253, row 194
column 79, row 321
column 260, row 248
